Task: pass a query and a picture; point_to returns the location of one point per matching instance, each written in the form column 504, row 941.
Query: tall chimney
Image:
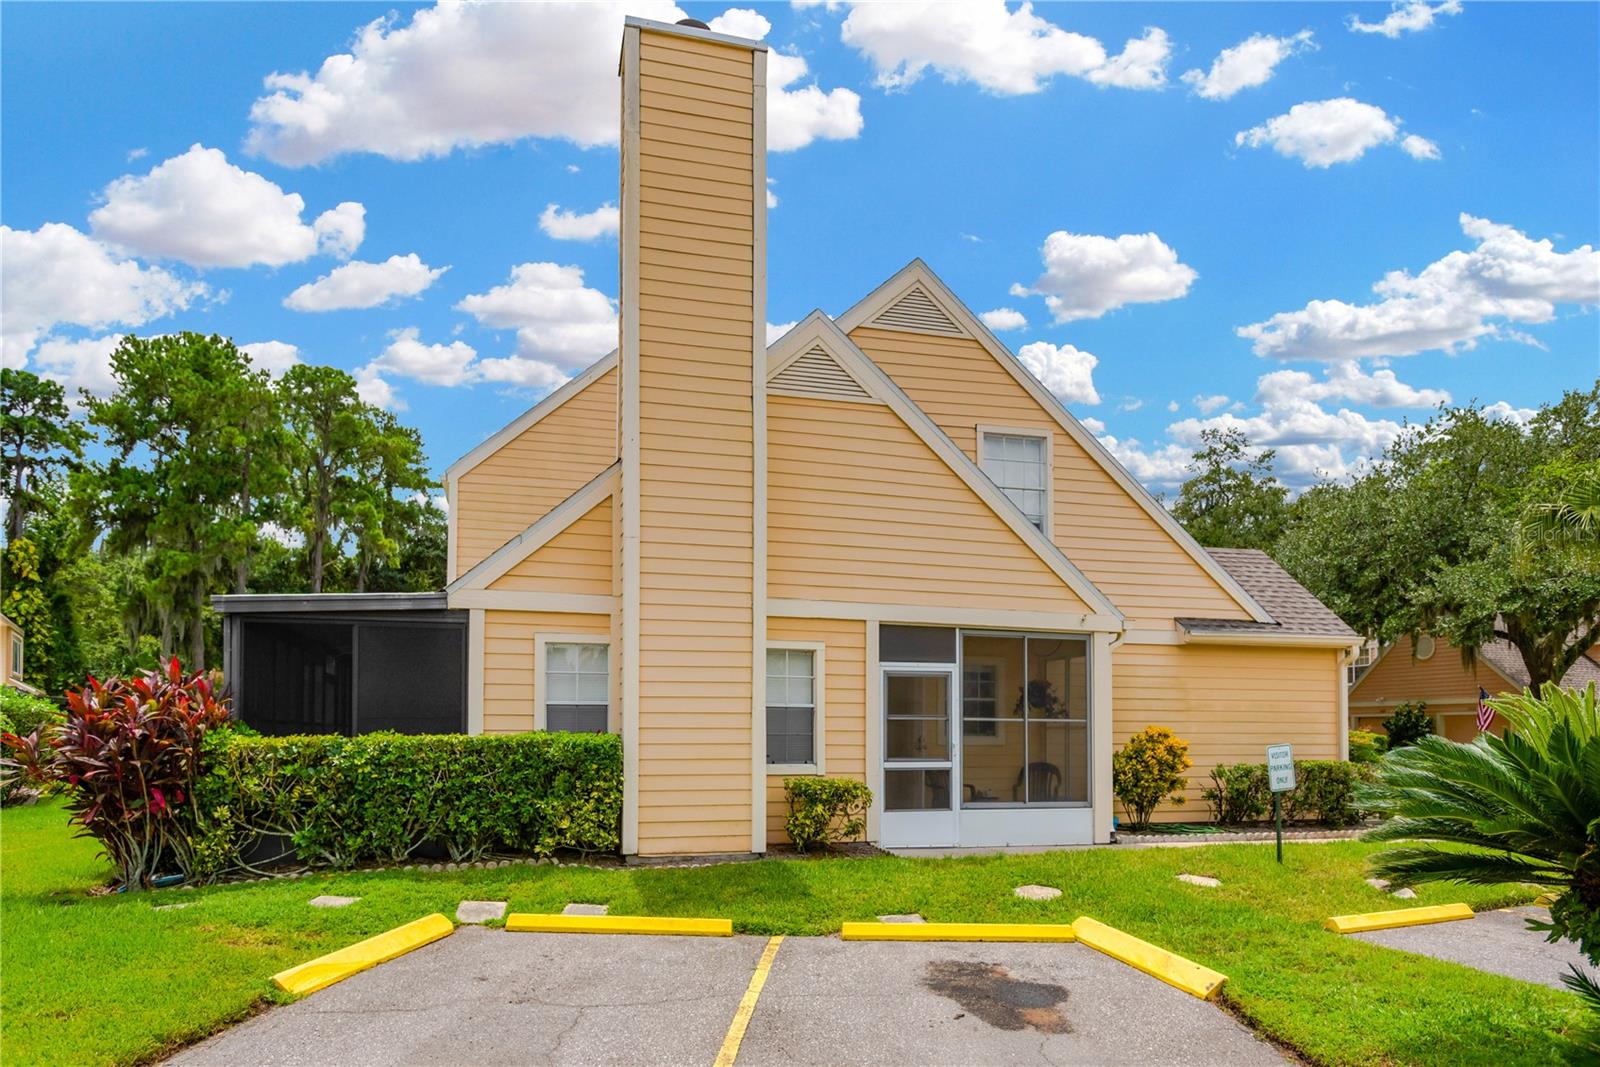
column 693, row 438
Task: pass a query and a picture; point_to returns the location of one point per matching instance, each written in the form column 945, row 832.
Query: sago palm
column 1526, row 806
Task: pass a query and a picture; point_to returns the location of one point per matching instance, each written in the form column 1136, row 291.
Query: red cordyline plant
column 127, row 755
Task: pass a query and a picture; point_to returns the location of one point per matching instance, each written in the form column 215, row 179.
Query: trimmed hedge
column 823, row 811
column 338, row 801
column 1325, row 792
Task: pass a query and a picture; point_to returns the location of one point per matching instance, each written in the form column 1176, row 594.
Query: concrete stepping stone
column 1200, row 879
column 1378, row 883
column 333, row 902
column 911, row 918
column 175, row 907
column 1037, row 892
column 480, row 911
column 585, row 909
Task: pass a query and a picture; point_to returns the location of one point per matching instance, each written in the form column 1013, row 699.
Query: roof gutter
column 1281, row 640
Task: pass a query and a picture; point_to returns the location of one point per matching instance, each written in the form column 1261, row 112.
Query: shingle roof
column 1503, row 656
column 1294, row 610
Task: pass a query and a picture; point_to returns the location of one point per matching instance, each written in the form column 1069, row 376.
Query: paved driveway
column 487, row 996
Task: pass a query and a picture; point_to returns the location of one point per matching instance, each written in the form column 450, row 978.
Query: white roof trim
column 817, row 327
column 497, row 563
column 501, row 437
column 918, row 271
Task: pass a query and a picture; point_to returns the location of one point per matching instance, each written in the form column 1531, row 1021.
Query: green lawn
column 111, row 980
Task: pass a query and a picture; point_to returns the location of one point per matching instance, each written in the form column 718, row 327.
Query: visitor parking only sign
column 1280, row 768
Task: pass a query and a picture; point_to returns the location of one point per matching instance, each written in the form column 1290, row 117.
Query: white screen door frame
column 929, row 827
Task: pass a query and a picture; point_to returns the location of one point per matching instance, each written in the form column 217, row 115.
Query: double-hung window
column 577, row 681
column 1019, row 463
column 793, row 719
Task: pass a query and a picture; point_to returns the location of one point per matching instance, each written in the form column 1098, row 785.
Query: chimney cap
column 696, row 23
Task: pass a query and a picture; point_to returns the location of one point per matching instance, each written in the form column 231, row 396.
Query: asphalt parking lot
column 483, row 995
column 1495, row 941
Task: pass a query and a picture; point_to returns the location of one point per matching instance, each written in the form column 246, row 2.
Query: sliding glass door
column 1024, row 720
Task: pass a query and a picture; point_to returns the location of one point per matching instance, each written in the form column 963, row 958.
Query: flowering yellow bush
column 1148, row 770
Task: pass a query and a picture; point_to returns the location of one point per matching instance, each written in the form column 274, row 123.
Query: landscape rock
column 1037, row 892
column 1378, row 883
column 1404, row 894
column 1200, row 879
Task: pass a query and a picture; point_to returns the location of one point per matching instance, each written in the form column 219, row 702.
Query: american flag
column 1485, row 712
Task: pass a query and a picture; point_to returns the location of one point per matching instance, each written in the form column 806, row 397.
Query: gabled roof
column 917, row 274
column 1295, row 612
column 1502, row 656
column 510, row 430
column 817, row 329
column 540, row 533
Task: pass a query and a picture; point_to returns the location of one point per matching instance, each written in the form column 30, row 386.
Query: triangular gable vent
column 919, row 312
column 816, row 373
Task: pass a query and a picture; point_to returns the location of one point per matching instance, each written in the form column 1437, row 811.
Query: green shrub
column 823, row 811
column 1367, row 746
column 24, row 713
column 1238, row 792
column 1325, row 792
column 127, row 756
column 1409, row 724
column 338, row 801
column 1148, row 770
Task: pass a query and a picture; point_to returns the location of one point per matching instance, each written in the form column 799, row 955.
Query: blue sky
column 1135, row 216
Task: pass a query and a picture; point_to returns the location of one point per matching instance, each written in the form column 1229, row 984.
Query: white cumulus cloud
column 1324, row 132
column 1246, row 65
column 564, row 225
column 1408, row 17
column 203, row 210
column 799, row 114
column 741, row 22
column 364, row 285
column 1066, row 371
column 1087, row 275
column 463, row 75
column 1418, row 147
column 1208, row 404
column 776, row 330
column 83, row 364
column 1507, row 278
column 274, row 357
column 1004, row 319
column 408, row 357
column 1002, row 50
column 557, row 317
column 1344, row 381
column 56, row 275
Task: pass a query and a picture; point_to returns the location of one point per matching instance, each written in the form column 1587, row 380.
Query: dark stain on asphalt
column 989, row 991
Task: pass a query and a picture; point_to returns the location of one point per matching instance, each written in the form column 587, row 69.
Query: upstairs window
column 1019, row 463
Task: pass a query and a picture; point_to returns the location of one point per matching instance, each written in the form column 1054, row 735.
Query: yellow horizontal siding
column 860, row 509
column 508, row 675
column 577, row 560
column 538, row 469
column 1398, row 677
column 1228, row 703
column 696, row 445
column 1097, row 524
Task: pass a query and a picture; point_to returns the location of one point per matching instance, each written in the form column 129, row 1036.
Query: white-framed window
column 795, row 684
column 16, row 655
column 572, row 687
column 1018, row 461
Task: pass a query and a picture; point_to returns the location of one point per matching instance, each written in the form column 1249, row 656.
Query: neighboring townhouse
column 14, row 644
column 1432, row 671
column 877, row 548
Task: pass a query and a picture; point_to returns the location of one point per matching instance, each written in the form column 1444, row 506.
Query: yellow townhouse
column 876, row 548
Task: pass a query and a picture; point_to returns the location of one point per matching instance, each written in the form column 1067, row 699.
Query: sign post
column 1280, row 779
